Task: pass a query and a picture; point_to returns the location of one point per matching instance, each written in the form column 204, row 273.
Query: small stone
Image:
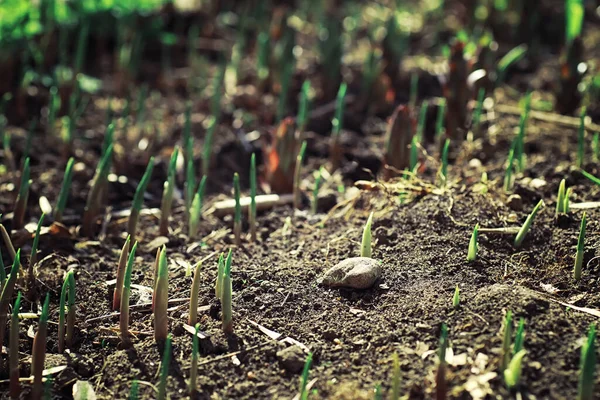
column 515, row 202
column 291, row 359
column 355, row 273
column 475, row 163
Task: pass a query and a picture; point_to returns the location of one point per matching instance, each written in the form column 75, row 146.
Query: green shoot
column 124, row 306
column 581, row 139
column 304, row 379
column 156, row 264
column 161, row 319
column 226, row 304
column 596, row 147
column 297, row 174
column 262, row 67
column 193, row 314
column 591, row 177
column 164, row 369
column 566, row 205
column 395, row 377
column 444, row 166
column 38, row 351
column 519, row 337
column 574, row 19
column 478, row 110
column 512, row 374
column 315, row 193
column 53, row 106
column 13, row 353
column 580, row 249
column 166, row 203
column 121, row 268
column 22, row 197
column 67, row 293
column 220, row 271
column 509, row 59
column 587, row 366
column 422, row 120
column 338, row 119
column 378, row 395
column 7, row 291
column 237, row 219
column 414, row 90
column 252, row 208
column 560, row 198
column 34, row 246
column 439, row 122
column 365, row 246
column 527, row 225
column 196, row 211
column 64, row 191
column 207, row 149
column 189, row 186
column 508, row 174
column 134, row 390
column 520, row 144
column 194, row 367
column 456, row 298
column 303, row 106
column 98, row 183
column 414, row 154
column 108, row 137
column 138, row 199
column 473, row 246
column 82, row 40
column 507, row 337
column 440, row 379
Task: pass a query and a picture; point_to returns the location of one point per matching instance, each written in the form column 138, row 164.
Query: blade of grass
column 64, row 191
column 527, row 225
column 138, row 199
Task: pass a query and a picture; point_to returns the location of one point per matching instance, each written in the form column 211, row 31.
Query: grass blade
column 527, row 225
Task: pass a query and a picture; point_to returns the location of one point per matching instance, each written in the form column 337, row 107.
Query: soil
column 421, row 241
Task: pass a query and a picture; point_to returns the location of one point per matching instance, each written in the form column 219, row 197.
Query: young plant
column 194, row 367
column 22, row 197
column 121, row 268
column 237, row 218
column 7, row 292
column 581, row 139
column 196, row 211
column 414, row 154
column 473, row 246
column 138, row 199
column 67, row 293
column 519, row 337
column 456, row 298
column 395, row 377
column 38, row 352
column 560, row 198
column 134, row 390
column 124, row 307
column 262, row 67
column 34, row 246
column 207, row 149
column 64, row 191
column 439, row 121
column 297, row 176
column 587, row 366
column 252, row 207
column 440, row 378
column 580, row 249
column 507, row 338
column 227, row 318
column 399, row 133
column 161, row 319
column 512, row 374
column 510, row 165
column 315, row 193
column 304, row 378
column 303, row 107
column 335, row 150
column 591, row 177
column 596, row 147
column 365, row 246
column 164, row 369
column 456, row 92
column 13, row 353
column 53, row 107
column 520, row 140
column 220, row 271
column 166, row 203
column 93, row 202
column 193, row 315
column 444, row 166
column 568, row 97
column 527, row 225
column 509, row 59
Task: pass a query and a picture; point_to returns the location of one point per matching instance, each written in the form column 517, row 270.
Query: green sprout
column 196, row 210
column 520, row 140
column 34, row 246
column 567, row 204
column 509, row 59
column 456, row 298
column 161, row 319
column 512, row 374
column 580, row 249
column 315, row 193
column 303, row 106
column 108, row 137
column 138, row 199
column 304, row 379
column 581, row 139
column 587, row 366
column 286, row 80
column 98, row 184
column 156, row 265
column 194, row 367
column 574, row 19
column 378, row 394
column 365, row 246
column 337, row 124
column 193, row 314
column 414, row 90
column 7, row 292
column 166, row 203
column 237, row 219
column 252, row 207
column 227, row 318
column 519, row 337
column 134, row 390
column 38, row 351
column 414, row 154
column 22, row 197
column 527, row 225
column 395, row 377
column 507, row 337
column 297, row 175
column 82, row 40
column 591, row 177
column 421, row 121
column 220, row 271
column 164, row 369
column 64, row 191
column 478, row 110
column 440, row 378
column 67, row 293
column 207, row 150
column 508, row 174
column 188, row 151
column 596, row 147
column 121, row 268
column 439, row 121
column 53, row 106
column 124, row 306
column 444, row 166
column 560, row 198
column 262, row 67
column 473, row 246
column 13, row 353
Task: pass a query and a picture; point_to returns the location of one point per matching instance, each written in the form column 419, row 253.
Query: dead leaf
column 83, row 390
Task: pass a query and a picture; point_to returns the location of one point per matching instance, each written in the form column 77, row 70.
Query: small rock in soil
column 515, row 202
column 291, row 359
column 355, row 273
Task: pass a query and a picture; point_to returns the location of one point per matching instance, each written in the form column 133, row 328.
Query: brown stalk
column 280, row 158
column 193, row 316
column 120, row 275
column 399, row 134
column 456, row 93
